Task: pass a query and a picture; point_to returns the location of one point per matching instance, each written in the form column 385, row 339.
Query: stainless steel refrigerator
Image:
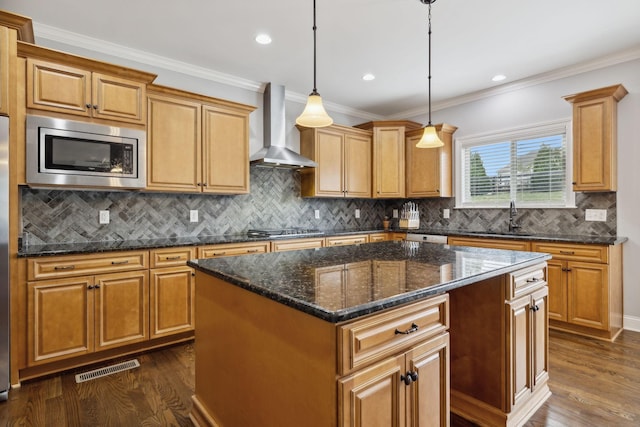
column 4, row 257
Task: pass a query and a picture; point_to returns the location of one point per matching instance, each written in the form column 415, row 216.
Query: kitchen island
column 389, row 333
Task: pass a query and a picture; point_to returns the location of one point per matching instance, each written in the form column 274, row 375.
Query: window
column 530, row 165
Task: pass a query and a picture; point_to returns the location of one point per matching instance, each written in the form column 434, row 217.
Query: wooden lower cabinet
column 506, row 244
column 499, row 374
column 171, row 300
column 76, row 316
column 411, row 389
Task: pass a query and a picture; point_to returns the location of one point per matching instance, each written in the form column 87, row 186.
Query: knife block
column 409, row 223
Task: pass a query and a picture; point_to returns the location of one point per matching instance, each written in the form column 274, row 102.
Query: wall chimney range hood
column 274, row 154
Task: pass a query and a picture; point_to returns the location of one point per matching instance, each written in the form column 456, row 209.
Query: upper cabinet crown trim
column 21, row 24
column 616, row 91
column 28, row 50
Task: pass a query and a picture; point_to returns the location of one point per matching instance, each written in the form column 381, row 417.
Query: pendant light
column 314, row 114
column 430, row 136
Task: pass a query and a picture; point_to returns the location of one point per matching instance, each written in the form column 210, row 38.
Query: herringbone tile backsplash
column 55, row 216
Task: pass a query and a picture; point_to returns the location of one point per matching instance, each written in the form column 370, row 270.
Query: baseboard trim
column 631, row 323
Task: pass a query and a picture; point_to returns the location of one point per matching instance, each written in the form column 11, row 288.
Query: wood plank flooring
column 594, row 383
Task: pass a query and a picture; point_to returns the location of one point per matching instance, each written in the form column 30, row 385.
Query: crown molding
column 569, row 71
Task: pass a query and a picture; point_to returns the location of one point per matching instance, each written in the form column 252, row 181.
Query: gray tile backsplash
column 64, row 216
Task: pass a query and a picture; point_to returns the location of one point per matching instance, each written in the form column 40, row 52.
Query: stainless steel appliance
column 429, row 238
column 283, row 232
column 4, row 257
column 79, row 154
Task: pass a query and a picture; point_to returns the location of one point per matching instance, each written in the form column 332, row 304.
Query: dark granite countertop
column 293, row 278
column 125, row 245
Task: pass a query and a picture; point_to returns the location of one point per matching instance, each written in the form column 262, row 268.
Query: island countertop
column 380, row 275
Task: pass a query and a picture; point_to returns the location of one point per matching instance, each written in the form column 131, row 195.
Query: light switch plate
column 395, row 213
column 357, row 213
column 193, row 215
column 317, row 213
column 595, row 215
column 446, row 213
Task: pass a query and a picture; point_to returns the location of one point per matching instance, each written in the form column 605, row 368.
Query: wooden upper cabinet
column 429, row 171
column 72, row 90
column 343, row 156
column 174, row 144
column 595, row 138
column 389, row 157
column 196, row 143
column 225, row 141
column 7, row 53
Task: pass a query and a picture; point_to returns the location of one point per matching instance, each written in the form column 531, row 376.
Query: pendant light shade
column 314, row 114
column 430, row 136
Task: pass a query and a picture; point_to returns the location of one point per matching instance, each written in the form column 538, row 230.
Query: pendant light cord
column 315, row 90
column 429, row 77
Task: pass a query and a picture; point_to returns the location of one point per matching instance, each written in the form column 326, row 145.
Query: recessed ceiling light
column 263, row 39
column 368, row 77
column 498, row 77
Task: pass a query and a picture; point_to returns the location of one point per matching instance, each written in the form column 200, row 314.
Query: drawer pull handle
column 64, row 267
column 218, row 253
column 410, row 377
column 126, row 261
column 533, row 279
column 172, row 258
column 413, row 328
column 567, row 252
column 566, row 269
column 251, row 251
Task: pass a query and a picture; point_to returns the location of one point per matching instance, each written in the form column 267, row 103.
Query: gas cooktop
column 284, row 232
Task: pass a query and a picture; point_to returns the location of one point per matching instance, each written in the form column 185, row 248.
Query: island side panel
column 248, row 347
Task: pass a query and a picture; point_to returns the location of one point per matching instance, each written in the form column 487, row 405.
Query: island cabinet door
column 428, row 395
column 374, row 396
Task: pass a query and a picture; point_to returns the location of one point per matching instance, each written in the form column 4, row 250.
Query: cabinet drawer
column 507, row 244
column 170, row 257
column 215, row 251
column 379, row 237
column 589, row 253
column 295, row 244
column 75, row 265
column 347, row 240
column 525, row 281
column 365, row 341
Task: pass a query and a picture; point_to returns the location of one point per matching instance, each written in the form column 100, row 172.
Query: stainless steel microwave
column 79, row 154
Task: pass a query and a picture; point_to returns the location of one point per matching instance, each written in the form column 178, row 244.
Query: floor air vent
column 107, row 370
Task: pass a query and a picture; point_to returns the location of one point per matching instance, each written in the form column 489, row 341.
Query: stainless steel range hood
column 274, row 154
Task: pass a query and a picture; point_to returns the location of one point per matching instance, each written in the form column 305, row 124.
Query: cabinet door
column 225, row 137
column 6, row 46
column 388, row 162
column 519, row 346
column 588, row 299
column 374, row 396
column 174, row 144
column 171, row 300
column 121, row 309
column 357, row 170
column 55, row 87
column 540, row 336
column 118, row 99
column 556, row 279
column 330, row 159
column 428, row 397
column 593, row 133
column 60, row 319
column 423, row 169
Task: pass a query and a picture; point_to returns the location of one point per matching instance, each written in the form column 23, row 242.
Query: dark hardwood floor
column 594, row 383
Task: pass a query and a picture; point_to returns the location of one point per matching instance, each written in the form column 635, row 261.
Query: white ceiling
column 471, row 41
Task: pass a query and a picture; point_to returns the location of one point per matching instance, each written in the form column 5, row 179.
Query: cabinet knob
column 90, row 287
column 535, row 308
column 97, row 286
column 95, row 107
column 87, row 105
column 411, row 376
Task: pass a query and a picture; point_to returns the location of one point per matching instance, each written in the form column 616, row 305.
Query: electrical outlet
column 357, row 213
column 395, row 213
column 595, row 215
column 446, row 213
column 317, row 213
column 104, row 217
column 193, row 215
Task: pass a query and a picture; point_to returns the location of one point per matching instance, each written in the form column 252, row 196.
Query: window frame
column 531, row 131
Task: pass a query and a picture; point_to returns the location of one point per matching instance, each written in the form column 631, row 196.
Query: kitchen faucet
column 513, row 225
